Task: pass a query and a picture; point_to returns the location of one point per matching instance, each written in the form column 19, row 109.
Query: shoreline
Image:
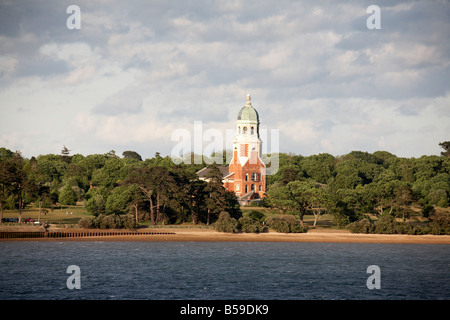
column 209, row 235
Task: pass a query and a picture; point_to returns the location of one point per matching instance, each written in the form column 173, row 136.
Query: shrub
column 440, row 223
column 386, row 224
column 225, row 223
column 86, row 222
column 361, row 226
column 256, row 215
column 249, row 225
column 128, row 221
column 285, row 224
column 109, row 221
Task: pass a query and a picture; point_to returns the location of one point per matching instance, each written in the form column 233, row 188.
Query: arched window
column 245, row 130
column 246, row 188
column 252, row 130
column 253, row 187
column 239, row 129
column 246, row 177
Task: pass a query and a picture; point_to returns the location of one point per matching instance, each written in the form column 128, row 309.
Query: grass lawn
column 59, row 215
column 70, row 215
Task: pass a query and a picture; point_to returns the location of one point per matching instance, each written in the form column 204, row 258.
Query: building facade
column 246, row 173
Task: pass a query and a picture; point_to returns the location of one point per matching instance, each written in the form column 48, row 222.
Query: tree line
column 154, row 190
column 360, row 185
column 351, row 187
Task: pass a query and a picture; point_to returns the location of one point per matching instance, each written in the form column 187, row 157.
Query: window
column 260, row 188
column 255, row 177
column 253, row 187
column 246, row 188
column 239, row 129
column 252, row 130
column 245, row 130
column 246, row 177
column 237, row 186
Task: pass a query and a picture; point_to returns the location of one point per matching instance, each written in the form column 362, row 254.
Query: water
column 223, row 270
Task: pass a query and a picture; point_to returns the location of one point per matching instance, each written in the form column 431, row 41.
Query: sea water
column 222, row 270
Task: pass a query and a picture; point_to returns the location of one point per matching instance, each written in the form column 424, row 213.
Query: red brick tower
column 247, row 172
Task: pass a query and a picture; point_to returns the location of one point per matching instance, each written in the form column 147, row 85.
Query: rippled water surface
column 223, row 270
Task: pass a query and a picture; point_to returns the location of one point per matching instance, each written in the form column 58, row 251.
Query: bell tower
column 247, row 141
column 246, row 165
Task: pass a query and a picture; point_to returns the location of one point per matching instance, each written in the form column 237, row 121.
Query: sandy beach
column 198, row 234
column 311, row 236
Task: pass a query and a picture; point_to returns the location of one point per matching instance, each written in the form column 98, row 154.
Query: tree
column 132, row 155
column 180, row 192
column 96, row 200
column 319, row 167
column 18, row 181
column 6, row 177
column 118, row 201
column 198, row 197
column 297, row 196
column 68, row 196
column 381, row 192
column 215, row 199
column 136, row 199
column 403, row 197
column 111, row 173
column 38, row 185
column 65, row 151
column 145, row 179
column 446, row 146
column 317, row 200
column 52, row 166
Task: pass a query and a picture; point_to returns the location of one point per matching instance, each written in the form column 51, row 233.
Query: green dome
column 248, row 112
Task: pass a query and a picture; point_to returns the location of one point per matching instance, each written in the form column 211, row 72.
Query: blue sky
column 138, row 70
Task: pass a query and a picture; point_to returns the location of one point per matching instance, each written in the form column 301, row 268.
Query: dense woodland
column 357, row 189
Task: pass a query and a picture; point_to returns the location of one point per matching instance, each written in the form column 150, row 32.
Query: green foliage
column 285, row 224
column 256, row 215
column 132, row 155
column 361, row 226
column 225, row 223
column 385, row 224
column 446, row 146
column 250, row 225
column 439, row 197
column 349, row 187
column 96, row 201
column 68, row 196
column 427, row 210
column 108, row 222
column 440, row 223
column 118, row 201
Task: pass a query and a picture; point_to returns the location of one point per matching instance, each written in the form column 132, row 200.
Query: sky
column 136, row 71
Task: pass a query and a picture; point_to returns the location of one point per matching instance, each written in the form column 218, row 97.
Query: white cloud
column 136, row 72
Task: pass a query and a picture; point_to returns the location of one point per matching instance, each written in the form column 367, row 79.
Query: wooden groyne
column 75, row 234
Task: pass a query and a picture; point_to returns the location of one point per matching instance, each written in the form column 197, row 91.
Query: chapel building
column 246, row 173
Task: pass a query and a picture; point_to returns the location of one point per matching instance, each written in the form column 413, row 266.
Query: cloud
column 136, row 71
column 123, row 102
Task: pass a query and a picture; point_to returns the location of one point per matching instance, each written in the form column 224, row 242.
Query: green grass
column 70, row 215
column 59, row 215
